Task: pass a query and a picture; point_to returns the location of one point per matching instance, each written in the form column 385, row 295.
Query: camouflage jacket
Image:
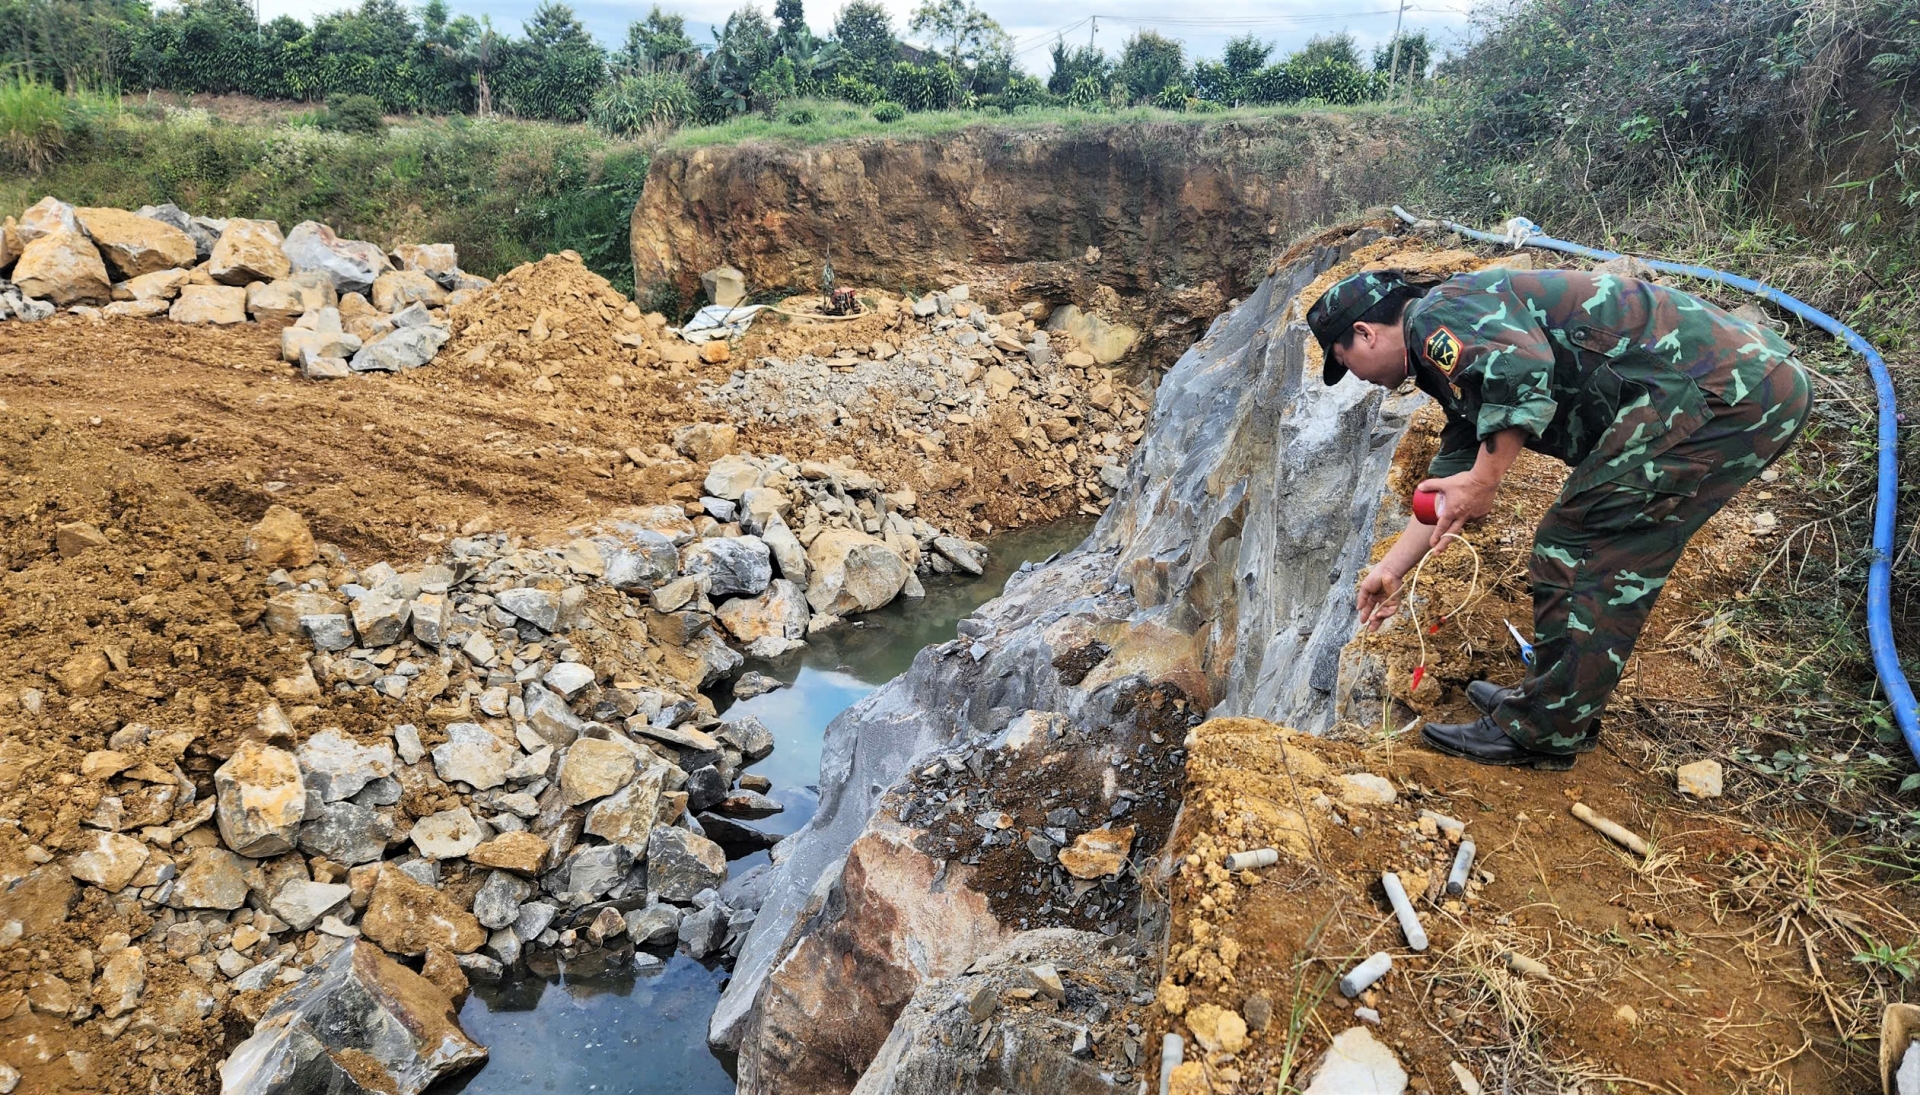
column 1602, row 372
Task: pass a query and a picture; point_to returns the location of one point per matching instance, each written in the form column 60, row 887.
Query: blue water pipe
column 1886, row 660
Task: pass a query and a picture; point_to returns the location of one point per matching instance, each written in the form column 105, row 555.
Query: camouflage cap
column 1344, row 302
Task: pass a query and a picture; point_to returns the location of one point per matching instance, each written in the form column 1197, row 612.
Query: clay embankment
column 1159, row 225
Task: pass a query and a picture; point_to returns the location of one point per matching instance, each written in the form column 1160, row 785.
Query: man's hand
column 1379, row 596
column 1469, row 497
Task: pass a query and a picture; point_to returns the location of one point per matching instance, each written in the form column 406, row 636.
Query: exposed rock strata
column 1224, row 571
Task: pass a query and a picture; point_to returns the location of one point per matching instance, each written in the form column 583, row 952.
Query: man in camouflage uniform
column 1663, row 404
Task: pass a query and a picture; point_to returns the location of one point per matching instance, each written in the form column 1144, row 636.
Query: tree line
column 394, row 59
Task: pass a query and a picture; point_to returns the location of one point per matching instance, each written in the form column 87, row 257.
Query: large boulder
column 63, row 267
column 439, row 261
column 261, row 798
column 396, row 289
column 852, row 572
column 336, row 767
column 134, row 245
column 637, row 559
column 161, row 285
column 406, row 916
column 360, row 1024
column 284, row 300
column 248, row 251
column 474, row 756
column 221, row 305
column 47, row 217
column 405, row 349
column 736, row 565
column 1107, row 342
column 680, row 864
column 198, row 229
column 10, row 245
column 780, row 612
column 352, row 265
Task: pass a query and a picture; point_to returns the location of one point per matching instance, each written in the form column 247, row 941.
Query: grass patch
column 504, row 192
column 835, row 121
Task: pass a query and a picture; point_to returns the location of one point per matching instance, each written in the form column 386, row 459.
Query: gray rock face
column 338, row 767
column 408, row 348
column 681, row 864
column 472, row 755
column 360, row 1010
column 536, row 606
column 640, row 560
column 1231, row 553
column 737, row 565
column 300, row 903
column 347, row 833
column 350, row 264
column 496, row 903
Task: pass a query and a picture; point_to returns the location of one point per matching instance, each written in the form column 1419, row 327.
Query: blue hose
column 1886, row 660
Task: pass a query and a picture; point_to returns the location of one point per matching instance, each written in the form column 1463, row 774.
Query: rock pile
column 945, row 367
column 352, row 306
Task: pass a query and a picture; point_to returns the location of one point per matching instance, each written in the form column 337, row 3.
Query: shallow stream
column 622, row 1033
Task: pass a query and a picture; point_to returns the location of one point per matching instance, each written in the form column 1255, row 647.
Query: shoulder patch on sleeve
column 1443, row 350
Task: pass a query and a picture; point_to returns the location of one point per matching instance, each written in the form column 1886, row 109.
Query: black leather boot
column 1486, row 695
column 1484, row 742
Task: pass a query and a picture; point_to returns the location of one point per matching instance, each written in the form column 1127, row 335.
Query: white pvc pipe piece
column 1402, row 908
column 1172, row 1051
column 1462, row 863
column 1258, row 857
column 1361, row 977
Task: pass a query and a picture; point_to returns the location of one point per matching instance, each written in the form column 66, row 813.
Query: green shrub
column 354, row 114
column 887, row 112
column 642, row 101
column 800, row 116
column 1171, row 97
column 33, row 124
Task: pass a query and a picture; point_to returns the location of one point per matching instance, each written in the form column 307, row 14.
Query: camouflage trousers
column 1601, row 556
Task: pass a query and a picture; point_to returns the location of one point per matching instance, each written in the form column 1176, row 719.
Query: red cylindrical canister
column 1427, row 505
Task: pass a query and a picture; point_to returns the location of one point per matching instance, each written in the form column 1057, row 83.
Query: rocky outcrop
column 362, row 1024
column 1166, row 221
column 1221, row 579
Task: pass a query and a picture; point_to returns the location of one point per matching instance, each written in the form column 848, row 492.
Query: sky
column 1034, row 24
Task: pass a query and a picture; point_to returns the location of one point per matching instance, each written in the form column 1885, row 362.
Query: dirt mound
column 551, row 319
column 129, row 603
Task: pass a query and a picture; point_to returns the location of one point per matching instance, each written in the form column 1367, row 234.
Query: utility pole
column 1094, row 30
column 1393, row 65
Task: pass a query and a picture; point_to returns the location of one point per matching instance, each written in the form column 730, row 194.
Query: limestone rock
column 350, row 265
column 536, row 606
column 627, row 816
column 963, row 554
column 789, row 557
column 107, row 860
column 46, row 217
column 394, row 290
column 282, row 539
column 521, row 852
column 639, row 560
column 360, row 1023
column 749, row 735
column 1701, row 779
column 497, row 903
column 1101, row 853
column 261, row 800
column 449, row 834
column 439, row 261
column 656, row 923
column 135, row 309
column 200, row 230
column 734, row 564
column 213, row 878
column 680, row 864
column 731, row 476
column 301, row 903
column 1107, row 342
column 474, row 756
column 405, row 916
column 852, row 572
column 123, row 979
column 1357, row 1064
column 219, row 305
column 73, row 537
column 1365, row 789
column 135, row 245
column 724, row 286
column 780, row 612
column 569, row 679
column 336, row 766
column 594, row 768
column 162, row 285
column 248, row 251
column 284, row 300
column 348, row 833
column 63, row 268
column 401, row 350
